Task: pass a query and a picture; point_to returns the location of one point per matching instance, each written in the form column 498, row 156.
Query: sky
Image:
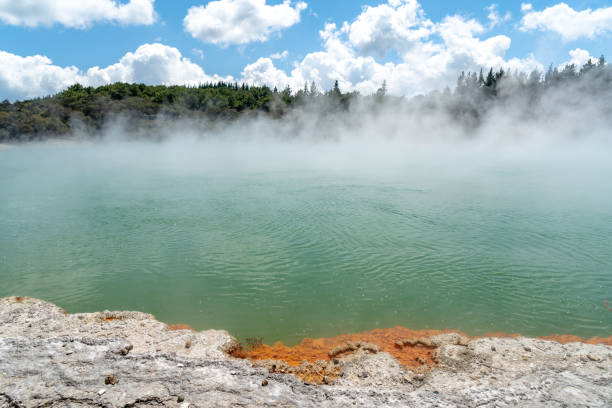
column 415, row 46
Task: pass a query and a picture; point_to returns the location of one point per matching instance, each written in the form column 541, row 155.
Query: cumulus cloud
column 152, row 64
column 33, row 76
column 226, row 22
column 579, row 57
column 263, row 72
column 75, row 14
column 567, row 22
column 431, row 54
column 378, row 30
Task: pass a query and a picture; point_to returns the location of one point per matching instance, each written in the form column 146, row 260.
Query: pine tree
column 313, row 89
column 500, row 74
column 461, row 81
column 550, row 75
column 490, row 81
column 336, row 90
column 587, row 67
column 534, row 78
column 569, row 71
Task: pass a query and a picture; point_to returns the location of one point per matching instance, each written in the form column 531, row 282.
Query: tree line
column 535, row 79
column 90, row 109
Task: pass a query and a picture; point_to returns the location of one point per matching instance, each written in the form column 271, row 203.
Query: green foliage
column 139, row 104
column 91, row 107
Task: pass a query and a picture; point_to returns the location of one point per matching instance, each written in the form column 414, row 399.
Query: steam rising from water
column 516, row 118
column 419, row 213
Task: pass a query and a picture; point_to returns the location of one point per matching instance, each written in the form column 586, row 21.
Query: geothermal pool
column 285, row 241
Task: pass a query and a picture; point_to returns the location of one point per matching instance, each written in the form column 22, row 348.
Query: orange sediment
column 313, row 350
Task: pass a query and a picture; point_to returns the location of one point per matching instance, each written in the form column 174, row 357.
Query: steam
column 473, row 164
column 575, row 112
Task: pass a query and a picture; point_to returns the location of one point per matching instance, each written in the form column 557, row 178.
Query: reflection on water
column 285, row 243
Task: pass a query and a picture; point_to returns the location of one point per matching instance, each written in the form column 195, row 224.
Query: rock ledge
column 128, row 359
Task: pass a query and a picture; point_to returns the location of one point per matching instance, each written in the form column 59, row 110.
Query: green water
column 290, row 241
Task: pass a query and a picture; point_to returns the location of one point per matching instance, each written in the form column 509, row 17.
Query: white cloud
column 151, row 64
column 431, row 54
column 225, row 22
column 494, row 17
column 75, row 14
column 567, row 22
column 33, row 76
column 462, row 48
column 280, row 55
column 425, row 63
column 378, row 30
column 579, row 57
column 263, row 72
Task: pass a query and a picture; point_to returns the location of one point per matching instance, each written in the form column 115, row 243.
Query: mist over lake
column 286, row 240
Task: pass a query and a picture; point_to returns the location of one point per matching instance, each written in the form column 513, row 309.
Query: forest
column 88, row 110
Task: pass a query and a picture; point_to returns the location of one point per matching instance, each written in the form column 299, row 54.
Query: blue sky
column 415, row 45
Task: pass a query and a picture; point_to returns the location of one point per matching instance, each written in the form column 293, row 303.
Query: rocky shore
column 128, row 359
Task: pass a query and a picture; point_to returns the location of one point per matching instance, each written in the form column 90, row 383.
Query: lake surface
column 285, row 241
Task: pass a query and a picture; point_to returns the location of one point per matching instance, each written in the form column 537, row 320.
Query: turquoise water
column 291, row 241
